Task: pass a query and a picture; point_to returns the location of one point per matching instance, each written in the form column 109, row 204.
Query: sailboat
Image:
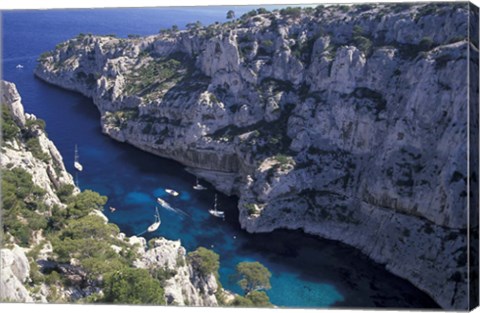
column 76, row 163
column 215, row 212
column 198, row 186
column 155, row 225
column 19, row 66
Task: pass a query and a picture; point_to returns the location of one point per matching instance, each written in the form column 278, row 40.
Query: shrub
column 363, row 44
column 84, row 203
column 10, row 130
column 282, row 159
column 33, row 145
column 251, row 209
column 344, row 8
column 64, row 192
column 259, row 299
column 20, row 199
column 242, row 302
column 204, row 260
column 292, row 12
column 425, row 44
column 31, row 123
column 248, row 14
column 267, row 43
column 132, row 286
column 262, row 11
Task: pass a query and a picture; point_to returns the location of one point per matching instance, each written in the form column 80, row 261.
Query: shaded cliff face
column 347, row 122
column 28, row 258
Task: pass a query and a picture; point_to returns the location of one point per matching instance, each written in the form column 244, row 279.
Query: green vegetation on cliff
column 23, row 208
column 10, row 129
column 86, row 250
column 132, row 286
column 254, row 278
column 204, row 260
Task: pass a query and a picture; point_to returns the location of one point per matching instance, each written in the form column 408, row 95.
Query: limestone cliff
column 25, row 146
column 349, row 122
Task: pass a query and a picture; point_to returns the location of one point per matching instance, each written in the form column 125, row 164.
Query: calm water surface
column 307, row 271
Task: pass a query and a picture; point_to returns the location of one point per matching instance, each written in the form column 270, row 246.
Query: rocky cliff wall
column 347, row 122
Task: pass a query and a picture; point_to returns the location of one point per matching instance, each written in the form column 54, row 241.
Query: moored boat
column 172, row 192
column 157, row 222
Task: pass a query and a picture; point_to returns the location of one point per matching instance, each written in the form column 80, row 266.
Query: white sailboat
column 157, row 223
column 76, row 163
column 215, row 212
column 19, row 66
column 172, row 192
column 198, row 186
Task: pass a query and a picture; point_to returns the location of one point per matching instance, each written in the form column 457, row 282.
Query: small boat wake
column 167, row 206
column 142, row 233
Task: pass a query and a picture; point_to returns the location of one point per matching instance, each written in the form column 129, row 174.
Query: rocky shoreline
column 354, row 130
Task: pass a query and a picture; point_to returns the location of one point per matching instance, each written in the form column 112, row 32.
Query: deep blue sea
column 306, row 271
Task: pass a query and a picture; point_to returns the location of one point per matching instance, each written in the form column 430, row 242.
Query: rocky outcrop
column 48, row 172
column 186, row 286
column 347, row 122
column 15, row 271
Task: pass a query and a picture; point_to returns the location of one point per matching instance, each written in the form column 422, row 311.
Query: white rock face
column 12, row 99
column 48, row 174
column 186, row 286
column 348, row 125
column 15, row 270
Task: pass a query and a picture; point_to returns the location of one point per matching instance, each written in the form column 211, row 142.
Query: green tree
column 262, row 11
column 295, row 12
column 64, row 192
column 230, row 14
column 84, row 203
column 90, row 226
column 242, row 302
column 132, row 286
column 10, row 129
column 253, row 276
column 252, row 299
column 259, row 298
column 204, row 260
column 89, row 240
column 21, row 201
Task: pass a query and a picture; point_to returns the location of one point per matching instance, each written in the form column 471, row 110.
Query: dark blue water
column 307, row 271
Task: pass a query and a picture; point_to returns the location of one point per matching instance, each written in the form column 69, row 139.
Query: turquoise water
column 307, row 271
